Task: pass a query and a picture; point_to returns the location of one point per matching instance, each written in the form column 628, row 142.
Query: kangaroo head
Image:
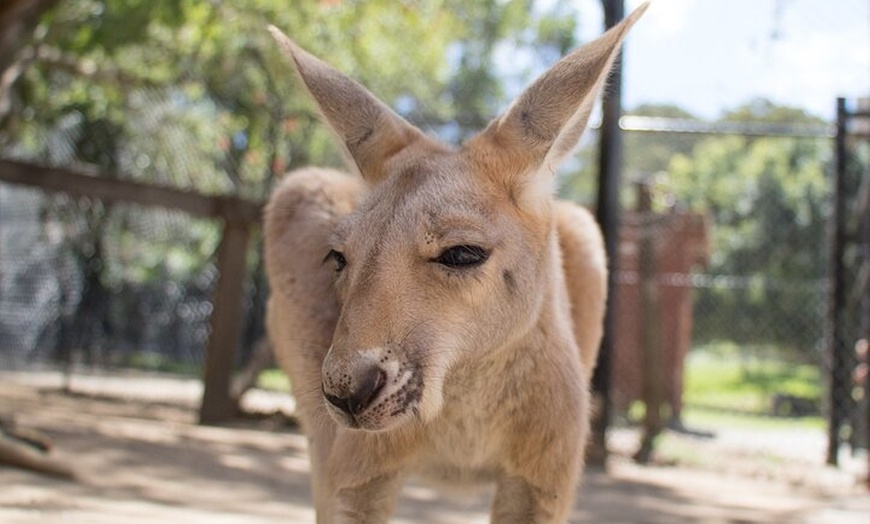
column 451, row 255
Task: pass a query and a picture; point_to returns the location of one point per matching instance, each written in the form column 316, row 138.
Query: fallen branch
column 22, row 453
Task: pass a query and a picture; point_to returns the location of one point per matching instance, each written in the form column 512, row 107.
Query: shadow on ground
column 139, row 463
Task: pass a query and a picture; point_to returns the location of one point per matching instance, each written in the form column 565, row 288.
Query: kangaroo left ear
column 527, row 143
column 369, row 132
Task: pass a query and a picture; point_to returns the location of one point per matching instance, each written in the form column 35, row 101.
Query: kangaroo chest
column 461, row 450
column 466, row 441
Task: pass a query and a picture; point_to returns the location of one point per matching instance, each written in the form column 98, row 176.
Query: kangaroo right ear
column 524, row 146
column 368, row 131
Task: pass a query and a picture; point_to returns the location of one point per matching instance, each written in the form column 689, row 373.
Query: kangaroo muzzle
column 369, row 389
column 354, row 393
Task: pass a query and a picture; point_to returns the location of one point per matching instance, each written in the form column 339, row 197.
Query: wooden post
column 238, row 215
column 652, row 355
column 226, row 325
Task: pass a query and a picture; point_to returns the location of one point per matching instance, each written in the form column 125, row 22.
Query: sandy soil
column 146, row 461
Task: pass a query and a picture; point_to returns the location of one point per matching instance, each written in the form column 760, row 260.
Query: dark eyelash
column 337, row 258
column 462, row 257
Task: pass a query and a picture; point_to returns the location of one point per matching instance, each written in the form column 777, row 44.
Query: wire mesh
column 102, row 285
column 733, row 307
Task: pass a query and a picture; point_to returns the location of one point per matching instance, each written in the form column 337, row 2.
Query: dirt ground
column 145, row 461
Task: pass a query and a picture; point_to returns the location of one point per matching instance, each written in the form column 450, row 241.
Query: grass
column 704, row 418
column 156, row 362
column 274, row 379
column 730, row 388
column 722, row 388
column 727, row 383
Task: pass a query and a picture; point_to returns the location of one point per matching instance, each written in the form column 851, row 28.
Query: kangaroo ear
column 368, row 131
column 545, row 123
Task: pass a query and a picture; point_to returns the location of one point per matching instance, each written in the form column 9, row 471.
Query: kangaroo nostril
column 368, row 389
column 339, row 402
column 361, row 397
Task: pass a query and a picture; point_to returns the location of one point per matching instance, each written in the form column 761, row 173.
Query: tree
column 648, row 153
column 196, row 95
column 17, row 21
column 768, row 198
column 644, row 154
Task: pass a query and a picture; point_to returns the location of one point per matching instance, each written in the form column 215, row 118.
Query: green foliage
column 180, row 254
column 196, row 95
column 644, row 155
column 763, row 110
column 199, row 95
column 767, row 198
column 647, row 154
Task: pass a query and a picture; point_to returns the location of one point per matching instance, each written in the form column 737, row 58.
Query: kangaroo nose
column 356, row 400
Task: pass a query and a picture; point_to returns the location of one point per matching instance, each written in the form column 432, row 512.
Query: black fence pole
column 839, row 379
column 607, row 214
column 863, row 348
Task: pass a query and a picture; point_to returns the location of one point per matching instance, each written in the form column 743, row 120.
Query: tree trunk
column 18, row 18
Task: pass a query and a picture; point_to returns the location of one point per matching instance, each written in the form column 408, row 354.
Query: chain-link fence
column 102, row 285
column 734, row 308
column 724, row 314
column 723, row 296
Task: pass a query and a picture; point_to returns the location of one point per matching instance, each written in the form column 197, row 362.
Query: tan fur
column 404, row 361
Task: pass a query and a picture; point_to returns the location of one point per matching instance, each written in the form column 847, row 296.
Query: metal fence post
column 836, row 343
column 607, row 214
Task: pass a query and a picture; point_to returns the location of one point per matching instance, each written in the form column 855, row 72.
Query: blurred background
column 741, row 311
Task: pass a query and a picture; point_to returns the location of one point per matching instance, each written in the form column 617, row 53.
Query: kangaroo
column 438, row 311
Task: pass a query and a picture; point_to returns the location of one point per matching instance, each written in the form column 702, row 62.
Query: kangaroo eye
column 462, row 257
column 338, row 260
